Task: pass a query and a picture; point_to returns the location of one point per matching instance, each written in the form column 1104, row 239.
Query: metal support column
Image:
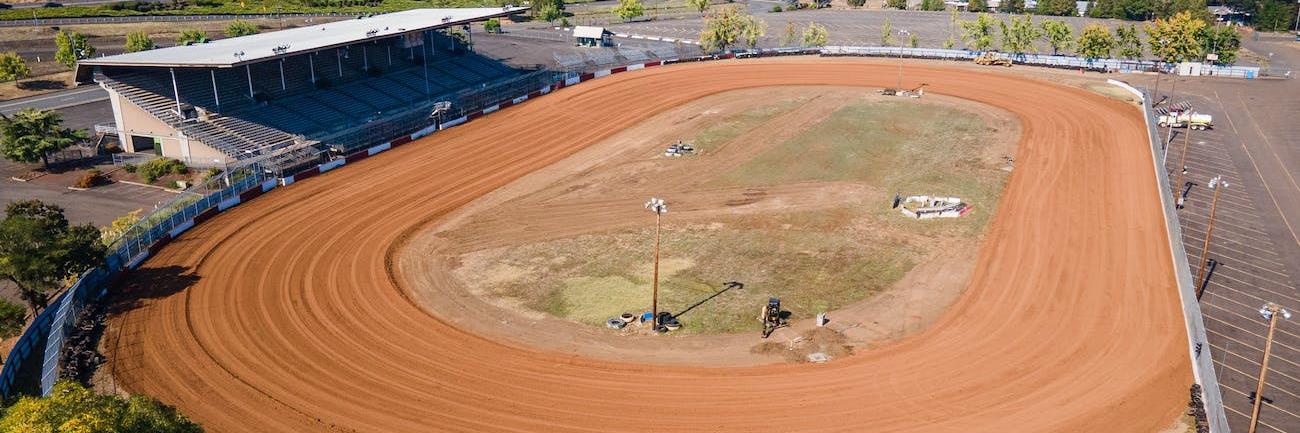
column 216, row 96
column 365, row 59
column 176, row 91
column 311, row 62
column 425, row 63
column 282, row 84
column 338, row 58
column 248, row 72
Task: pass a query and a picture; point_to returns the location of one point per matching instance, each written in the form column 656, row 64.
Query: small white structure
column 589, row 36
column 927, row 207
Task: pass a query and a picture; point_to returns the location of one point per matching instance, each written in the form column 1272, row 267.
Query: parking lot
column 98, row 205
column 1251, row 272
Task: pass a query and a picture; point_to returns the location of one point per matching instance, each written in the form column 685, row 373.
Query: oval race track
column 281, row 316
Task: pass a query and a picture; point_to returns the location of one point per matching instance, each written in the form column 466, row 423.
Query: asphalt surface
column 1255, row 147
column 61, row 99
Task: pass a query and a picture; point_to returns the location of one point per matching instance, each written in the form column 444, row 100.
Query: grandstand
column 294, row 91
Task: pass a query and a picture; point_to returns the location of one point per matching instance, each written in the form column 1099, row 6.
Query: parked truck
column 1183, row 120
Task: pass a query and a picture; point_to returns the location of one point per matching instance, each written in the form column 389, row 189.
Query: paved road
column 64, row 98
column 151, row 18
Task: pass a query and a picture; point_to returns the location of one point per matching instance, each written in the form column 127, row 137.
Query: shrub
column 160, row 167
column 91, row 179
column 130, row 168
column 776, row 8
column 492, row 25
column 12, row 318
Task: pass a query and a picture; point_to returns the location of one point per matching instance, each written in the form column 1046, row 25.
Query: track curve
column 281, row 314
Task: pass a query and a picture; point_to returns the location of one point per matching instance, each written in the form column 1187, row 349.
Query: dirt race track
column 281, row 314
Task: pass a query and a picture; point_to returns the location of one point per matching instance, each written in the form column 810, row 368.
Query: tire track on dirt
column 1070, row 322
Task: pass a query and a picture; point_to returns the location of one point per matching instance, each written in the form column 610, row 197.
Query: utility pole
column 657, row 206
column 1271, row 311
column 1182, row 162
column 1156, row 97
column 1217, row 184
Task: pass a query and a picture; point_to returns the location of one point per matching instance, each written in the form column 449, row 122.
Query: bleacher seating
column 239, row 126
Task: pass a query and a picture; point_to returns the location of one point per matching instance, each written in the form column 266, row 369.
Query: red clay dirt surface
column 286, row 314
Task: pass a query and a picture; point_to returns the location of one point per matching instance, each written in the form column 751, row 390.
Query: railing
column 132, row 158
column 49, row 329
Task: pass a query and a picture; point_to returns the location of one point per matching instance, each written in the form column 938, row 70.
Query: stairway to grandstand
column 285, row 108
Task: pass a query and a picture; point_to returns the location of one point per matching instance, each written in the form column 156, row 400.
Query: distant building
column 1226, row 14
column 588, row 36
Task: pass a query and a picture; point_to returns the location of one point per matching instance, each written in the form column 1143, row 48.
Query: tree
column 549, row 14
column 1019, row 36
column 977, row 6
column 1223, row 41
column 1063, row 8
column 729, row 25
column 1096, row 42
column 1275, row 15
column 71, row 47
column 191, row 37
column 978, row 34
column 699, row 5
column 790, row 35
column 13, row 67
column 628, row 9
column 1058, row 34
column 537, row 7
column 39, row 249
column 952, row 30
column 751, row 29
column 815, row 35
column 912, row 41
column 12, row 319
column 932, row 5
column 241, row 28
column 138, row 41
column 1173, row 39
column 887, row 33
column 1012, row 6
column 71, row 407
column 896, row 4
column 118, row 228
column 1129, row 42
column 492, row 25
column 31, row 135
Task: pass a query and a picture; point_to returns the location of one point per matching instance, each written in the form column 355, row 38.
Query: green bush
column 492, row 25
column 130, row 168
column 156, row 168
column 776, row 8
column 12, row 318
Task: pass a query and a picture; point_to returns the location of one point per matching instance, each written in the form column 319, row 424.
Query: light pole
column 660, row 208
column 1271, row 311
column 901, row 33
column 1217, row 184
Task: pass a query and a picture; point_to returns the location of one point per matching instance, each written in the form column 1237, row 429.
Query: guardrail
column 204, row 200
column 1197, row 343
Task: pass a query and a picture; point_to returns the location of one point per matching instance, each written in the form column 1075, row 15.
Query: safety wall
column 48, row 331
column 1198, row 345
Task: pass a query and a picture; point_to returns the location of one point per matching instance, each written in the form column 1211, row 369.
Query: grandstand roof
column 264, row 46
